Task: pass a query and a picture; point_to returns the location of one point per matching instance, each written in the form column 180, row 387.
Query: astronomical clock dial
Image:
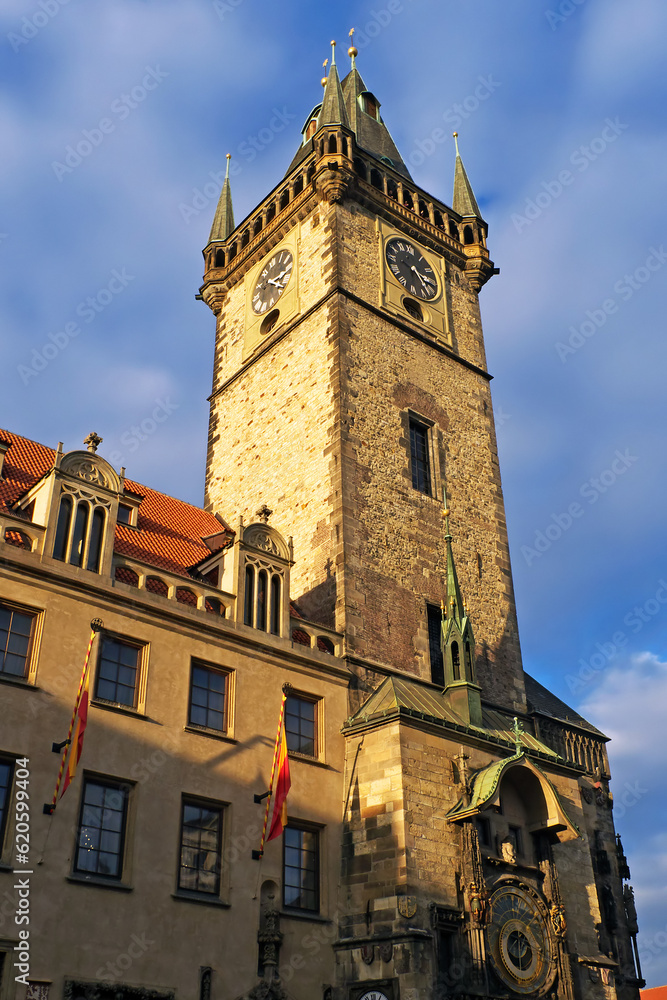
column 411, row 269
column 519, row 941
column 272, row 281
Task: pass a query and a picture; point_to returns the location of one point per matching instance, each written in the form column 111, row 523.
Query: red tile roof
column 169, row 532
column 654, row 993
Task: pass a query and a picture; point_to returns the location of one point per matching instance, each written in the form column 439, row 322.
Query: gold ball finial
column 229, row 156
column 445, row 512
column 323, row 81
column 352, row 52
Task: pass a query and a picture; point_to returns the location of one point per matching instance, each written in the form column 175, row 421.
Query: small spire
column 333, row 105
column 223, row 220
column 453, row 590
column 352, row 52
column 464, row 201
column 323, row 81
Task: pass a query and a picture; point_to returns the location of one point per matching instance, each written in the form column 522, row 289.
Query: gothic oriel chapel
column 449, row 827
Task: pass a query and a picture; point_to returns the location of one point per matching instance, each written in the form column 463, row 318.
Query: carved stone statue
column 558, row 922
column 630, row 909
column 477, row 904
column 508, row 851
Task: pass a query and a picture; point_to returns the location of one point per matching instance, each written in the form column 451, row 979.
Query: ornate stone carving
column 558, row 922
column 93, row 441
column 407, row 906
column 265, row 539
column 367, row 953
column 630, row 909
column 508, row 851
column 386, row 950
column 92, row 469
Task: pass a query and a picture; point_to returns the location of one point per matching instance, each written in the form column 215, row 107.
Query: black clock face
column 519, row 941
column 272, row 281
column 411, row 269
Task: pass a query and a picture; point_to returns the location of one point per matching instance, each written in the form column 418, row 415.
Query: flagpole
column 95, row 626
column 273, row 767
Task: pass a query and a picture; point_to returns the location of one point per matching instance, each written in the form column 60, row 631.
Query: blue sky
column 560, row 110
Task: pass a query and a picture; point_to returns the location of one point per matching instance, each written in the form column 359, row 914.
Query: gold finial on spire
column 229, row 156
column 456, row 142
column 323, row 81
column 352, row 52
column 333, row 52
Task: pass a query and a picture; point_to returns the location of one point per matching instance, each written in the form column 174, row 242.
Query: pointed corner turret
column 464, row 201
column 458, row 644
column 333, row 105
column 223, row 220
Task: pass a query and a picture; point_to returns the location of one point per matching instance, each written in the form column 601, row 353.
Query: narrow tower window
column 419, row 455
column 456, row 664
column 435, row 650
column 249, row 595
column 275, row 604
column 62, row 528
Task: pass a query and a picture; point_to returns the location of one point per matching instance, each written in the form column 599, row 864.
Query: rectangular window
column 208, row 698
column 301, row 868
column 6, row 775
column 118, row 672
column 515, row 837
column 16, row 634
column 101, row 834
column 435, row 649
column 201, row 841
column 419, row 457
column 484, row 832
column 301, row 725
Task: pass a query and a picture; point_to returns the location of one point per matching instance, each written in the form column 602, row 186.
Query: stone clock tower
column 350, row 395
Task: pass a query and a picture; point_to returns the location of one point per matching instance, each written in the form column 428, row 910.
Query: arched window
column 437, row 218
column 453, row 229
column 62, row 528
column 260, row 620
column 360, row 167
column 271, row 211
column 275, row 604
column 245, row 239
column 257, row 228
column 232, row 251
column 79, row 534
column 423, row 209
column 311, row 173
column 333, row 145
column 284, row 199
column 370, row 105
column 95, row 543
column 219, row 258
column 312, row 128
column 407, row 201
column 392, row 189
column 249, row 598
column 468, row 663
column 298, row 185
column 376, row 179
column 456, row 664
column 468, row 235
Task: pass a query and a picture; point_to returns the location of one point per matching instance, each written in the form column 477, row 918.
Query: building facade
column 450, row 826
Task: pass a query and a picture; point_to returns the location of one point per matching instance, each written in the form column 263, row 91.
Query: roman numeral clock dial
column 411, row 269
column 272, row 282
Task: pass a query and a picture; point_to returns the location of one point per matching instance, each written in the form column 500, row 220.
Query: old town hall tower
column 351, row 405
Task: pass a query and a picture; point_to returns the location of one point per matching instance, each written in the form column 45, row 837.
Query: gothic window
column 437, row 218
column 333, row 146
column 17, row 628
column 469, row 672
column 301, row 725
column 275, row 605
column 360, row 167
column 284, row 199
column 376, row 179
column 434, row 615
column 301, row 868
column 298, row 185
column 453, row 229
column 101, row 832
column 219, row 258
column 423, row 210
column 468, row 235
column 249, row 596
column 79, row 534
column 262, row 606
column 419, row 455
column 392, row 189
column 456, row 662
column 208, row 697
column 201, row 843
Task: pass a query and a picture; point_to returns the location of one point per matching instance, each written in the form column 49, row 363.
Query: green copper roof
column 464, row 201
column 486, row 783
column 223, row 220
column 411, row 698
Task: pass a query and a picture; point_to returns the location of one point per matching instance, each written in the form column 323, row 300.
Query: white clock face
column 272, row 281
column 373, row 995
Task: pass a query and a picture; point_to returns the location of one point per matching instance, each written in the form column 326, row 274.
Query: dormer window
column 311, row 128
column 264, row 561
column 370, row 105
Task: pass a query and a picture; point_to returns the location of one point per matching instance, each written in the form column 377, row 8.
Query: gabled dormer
column 458, row 647
column 262, row 561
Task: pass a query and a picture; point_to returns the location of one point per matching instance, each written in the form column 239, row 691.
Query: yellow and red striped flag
column 76, row 746
column 283, row 785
